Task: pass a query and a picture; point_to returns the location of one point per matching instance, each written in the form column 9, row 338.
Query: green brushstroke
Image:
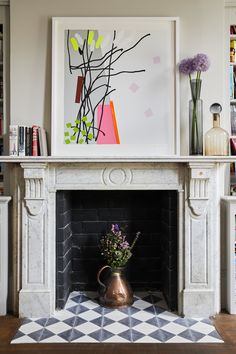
column 66, row 134
column 81, row 141
column 73, row 137
column 74, row 44
column 90, row 136
column 76, row 130
column 88, row 124
column 68, row 125
column 90, row 37
column 77, row 121
column 84, row 119
column 83, row 132
column 99, row 42
column 67, row 141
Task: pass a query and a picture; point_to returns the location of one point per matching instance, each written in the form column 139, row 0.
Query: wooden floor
column 225, row 324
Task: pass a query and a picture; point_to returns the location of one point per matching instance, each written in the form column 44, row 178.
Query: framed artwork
column 115, row 87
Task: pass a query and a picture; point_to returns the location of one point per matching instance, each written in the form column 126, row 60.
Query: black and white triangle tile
column 147, row 321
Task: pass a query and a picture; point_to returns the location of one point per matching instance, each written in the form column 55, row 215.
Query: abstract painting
column 117, row 85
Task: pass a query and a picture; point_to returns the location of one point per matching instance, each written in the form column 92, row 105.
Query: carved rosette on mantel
column 34, row 294
column 199, row 284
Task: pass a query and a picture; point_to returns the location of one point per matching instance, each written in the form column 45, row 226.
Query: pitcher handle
column 99, row 273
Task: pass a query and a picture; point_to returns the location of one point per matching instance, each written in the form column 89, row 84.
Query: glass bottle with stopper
column 216, row 139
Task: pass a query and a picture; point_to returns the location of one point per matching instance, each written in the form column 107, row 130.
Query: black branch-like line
column 74, row 67
column 68, row 49
column 107, row 89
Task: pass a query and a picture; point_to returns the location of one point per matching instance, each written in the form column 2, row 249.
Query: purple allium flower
column 200, row 62
column 186, row 66
column 115, row 228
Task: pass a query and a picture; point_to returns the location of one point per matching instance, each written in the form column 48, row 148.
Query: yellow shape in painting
column 74, row 44
column 90, row 37
column 99, row 42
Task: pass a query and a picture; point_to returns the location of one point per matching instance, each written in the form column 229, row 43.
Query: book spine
column 233, row 119
column 43, row 142
column 231, row 82
column 35, row 141
column 233, row 146
column 21, row 147
column 27, row 141
column 13, row 140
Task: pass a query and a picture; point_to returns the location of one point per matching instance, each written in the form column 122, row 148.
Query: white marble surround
column 197, row 183
column 3, row 254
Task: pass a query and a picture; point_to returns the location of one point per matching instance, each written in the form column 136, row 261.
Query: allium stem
column 135, row 239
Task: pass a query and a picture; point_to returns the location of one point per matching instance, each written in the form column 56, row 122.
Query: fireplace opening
column 83, row 216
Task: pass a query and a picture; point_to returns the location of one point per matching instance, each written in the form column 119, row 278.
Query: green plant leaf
column 90, row 136
column 73, row 137
column 68, row 125
column 76, row 130
column 66, row 134
column 81, row 141
column 77, row 121
column 84, row 119
column 83, row 132
column 67, row 141
column 88, row 124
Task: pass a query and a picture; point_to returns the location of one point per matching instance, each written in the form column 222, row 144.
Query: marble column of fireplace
column 198, row 235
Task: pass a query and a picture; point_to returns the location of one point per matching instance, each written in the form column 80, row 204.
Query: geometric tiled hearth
column 147, row 321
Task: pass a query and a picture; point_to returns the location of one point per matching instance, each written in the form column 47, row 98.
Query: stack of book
column 27, row 141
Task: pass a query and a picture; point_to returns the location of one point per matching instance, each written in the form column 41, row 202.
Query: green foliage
column 81, row 141
column 76, row 130
column 90, row 136
column 68, row 125
column 67, row 141
column 77, row 121
column 66, row 134
column 114, row 247
column 73, row 137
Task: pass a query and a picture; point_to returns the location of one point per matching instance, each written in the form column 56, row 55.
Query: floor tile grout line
column 130, row 325
column 39, row 339
column 76, row 315
column 102, row 324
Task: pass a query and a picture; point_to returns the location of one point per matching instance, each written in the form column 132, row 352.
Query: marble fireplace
column 196, row 183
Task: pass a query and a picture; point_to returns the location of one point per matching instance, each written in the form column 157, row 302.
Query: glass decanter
column 216, row 139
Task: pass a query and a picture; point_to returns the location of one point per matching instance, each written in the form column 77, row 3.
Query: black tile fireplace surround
column 83, row 216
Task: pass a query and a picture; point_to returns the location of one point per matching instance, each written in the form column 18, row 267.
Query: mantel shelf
column 118, row 159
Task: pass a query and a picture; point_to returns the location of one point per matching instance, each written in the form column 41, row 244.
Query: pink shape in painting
column 156, row 59
column 107, row 125
column 148, row 113
column 134, row 87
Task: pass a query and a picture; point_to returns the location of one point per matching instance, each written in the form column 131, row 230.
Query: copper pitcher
column 116, row 292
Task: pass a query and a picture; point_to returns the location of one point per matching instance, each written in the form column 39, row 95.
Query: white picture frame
column 157, row 112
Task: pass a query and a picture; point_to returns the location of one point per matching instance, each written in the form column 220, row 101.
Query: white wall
column 201, row 31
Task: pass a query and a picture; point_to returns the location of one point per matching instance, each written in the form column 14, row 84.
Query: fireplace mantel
column 118, row 159
column 198, row 181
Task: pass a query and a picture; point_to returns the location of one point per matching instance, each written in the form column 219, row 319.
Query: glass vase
column 195, row 127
